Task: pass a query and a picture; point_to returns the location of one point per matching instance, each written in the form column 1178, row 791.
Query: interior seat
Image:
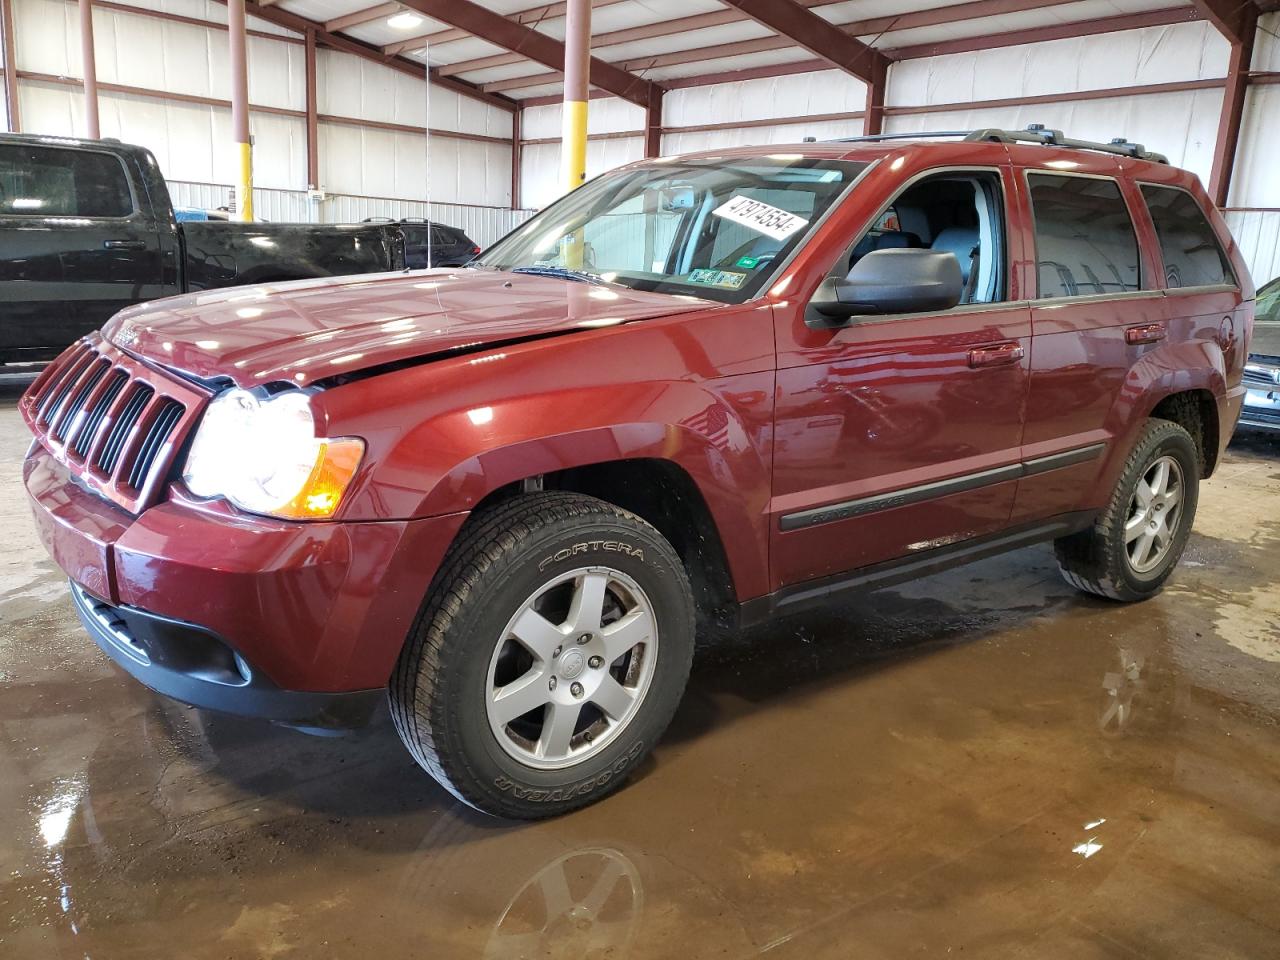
column 962, row 241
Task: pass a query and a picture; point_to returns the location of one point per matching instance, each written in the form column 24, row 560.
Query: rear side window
column 1190, row 249
column 39, row 181
column 1085, row 243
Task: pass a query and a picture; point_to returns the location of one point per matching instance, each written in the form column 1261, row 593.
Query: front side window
column 1085, row 243
column 710, row 227
column 958, row 212
column 1190, row 249
column 41, row 181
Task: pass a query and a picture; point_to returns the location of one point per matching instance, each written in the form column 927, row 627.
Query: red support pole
column 873, row 114
column 517, row 156
column 653, row 123
column 313, row 113
column 1233, row 97
column 243, row 155
column 10, row 67
column 89, row 71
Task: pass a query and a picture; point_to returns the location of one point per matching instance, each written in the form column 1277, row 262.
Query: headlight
column 264, row 456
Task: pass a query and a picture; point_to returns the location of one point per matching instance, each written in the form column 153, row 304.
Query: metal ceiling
column 510, row 49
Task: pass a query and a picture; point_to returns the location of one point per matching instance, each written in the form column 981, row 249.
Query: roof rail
column 1034, row 133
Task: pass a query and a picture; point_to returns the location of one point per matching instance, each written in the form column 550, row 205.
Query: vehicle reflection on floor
column 983, row 762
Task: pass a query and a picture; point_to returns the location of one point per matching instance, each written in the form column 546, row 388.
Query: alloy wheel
column 572, row 667
column 1155, row 510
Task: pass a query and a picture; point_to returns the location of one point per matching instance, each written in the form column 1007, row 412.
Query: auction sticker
column 728, row 279
column 760, row 217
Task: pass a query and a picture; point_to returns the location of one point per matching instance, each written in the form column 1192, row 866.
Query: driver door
column 897, row 435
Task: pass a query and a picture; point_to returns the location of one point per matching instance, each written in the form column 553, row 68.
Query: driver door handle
column 125, row 244
column 996, row 353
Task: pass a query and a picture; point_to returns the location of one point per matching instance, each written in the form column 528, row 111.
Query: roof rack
column 1034, row 133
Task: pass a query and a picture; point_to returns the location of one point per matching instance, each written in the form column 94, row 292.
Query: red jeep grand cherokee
column 697, row 391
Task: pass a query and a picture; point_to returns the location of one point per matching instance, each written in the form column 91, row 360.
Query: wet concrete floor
column 980, row 764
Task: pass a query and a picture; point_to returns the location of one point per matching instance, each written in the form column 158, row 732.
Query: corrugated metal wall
column 484, row 225
column 1182, row 124
column 192, row 140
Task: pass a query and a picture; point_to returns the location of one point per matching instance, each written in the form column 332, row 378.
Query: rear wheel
column 549, row 658
column 1137, row 541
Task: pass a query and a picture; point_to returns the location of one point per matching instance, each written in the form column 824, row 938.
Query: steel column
column 10, row 67
column 89, row 71
column 313, row 113
column 653, row 124
column 1233, row 98
column 877, row 84
column 243, row 154
column 573, row 120
column 517, row 156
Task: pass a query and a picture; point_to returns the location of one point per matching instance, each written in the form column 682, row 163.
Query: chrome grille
column 116, row 423
column 1261, row 375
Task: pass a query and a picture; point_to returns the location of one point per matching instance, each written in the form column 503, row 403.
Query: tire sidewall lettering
column 589, row 546
column 581, row 788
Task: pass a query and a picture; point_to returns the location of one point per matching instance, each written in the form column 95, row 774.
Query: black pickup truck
column 87, row 228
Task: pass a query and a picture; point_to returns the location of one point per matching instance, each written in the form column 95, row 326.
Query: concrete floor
column 984, row 763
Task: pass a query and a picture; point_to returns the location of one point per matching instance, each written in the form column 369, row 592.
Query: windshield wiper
column 564, row 273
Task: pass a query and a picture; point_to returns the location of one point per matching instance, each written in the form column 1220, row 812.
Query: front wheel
column 549, row 658
column 1139, row 538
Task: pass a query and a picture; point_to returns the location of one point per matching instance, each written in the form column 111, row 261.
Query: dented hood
column 311, row 330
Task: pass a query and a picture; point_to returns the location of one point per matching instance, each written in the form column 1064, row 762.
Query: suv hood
column 311, row 330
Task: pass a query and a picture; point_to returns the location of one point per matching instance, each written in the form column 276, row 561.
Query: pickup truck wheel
column 1136, row 542
column 549, row 656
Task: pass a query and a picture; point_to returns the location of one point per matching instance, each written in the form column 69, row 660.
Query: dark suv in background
column 432, row 244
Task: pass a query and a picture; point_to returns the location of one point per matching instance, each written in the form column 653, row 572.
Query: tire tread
column 1084, row 559
column 490, row 537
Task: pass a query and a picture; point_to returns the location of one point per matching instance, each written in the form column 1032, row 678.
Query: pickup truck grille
column 114, row 422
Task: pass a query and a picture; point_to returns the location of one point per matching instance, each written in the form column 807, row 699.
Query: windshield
column 712, row 227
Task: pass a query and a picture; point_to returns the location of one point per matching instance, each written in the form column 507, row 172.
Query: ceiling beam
column 365, row 51
column 548, row 51
column 1231, row 18
column 873, row 27
column 367, row 15
column 1057, row 31
column 1084, row 28
column 824, row 40
column 530, row 17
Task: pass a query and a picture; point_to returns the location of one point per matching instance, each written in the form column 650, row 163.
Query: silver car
column 1262, row 372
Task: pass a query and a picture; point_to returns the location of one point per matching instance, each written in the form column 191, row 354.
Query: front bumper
column 189, row 663
column 307, row 608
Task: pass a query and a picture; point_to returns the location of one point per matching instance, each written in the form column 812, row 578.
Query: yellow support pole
column 573, row 118
column 573, row 152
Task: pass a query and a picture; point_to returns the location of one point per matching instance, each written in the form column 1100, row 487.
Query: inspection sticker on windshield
column 728, row 279
column 760, row 217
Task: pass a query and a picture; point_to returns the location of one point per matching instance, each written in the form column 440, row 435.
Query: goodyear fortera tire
column 1135, row 543
column 549, row 657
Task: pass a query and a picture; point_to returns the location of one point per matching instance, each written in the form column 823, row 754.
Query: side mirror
column 888, row 281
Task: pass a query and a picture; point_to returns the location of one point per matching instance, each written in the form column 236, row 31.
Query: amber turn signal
column 319, row 499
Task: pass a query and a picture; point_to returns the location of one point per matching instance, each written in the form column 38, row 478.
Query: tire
column 517, row 572
column 1106, row 559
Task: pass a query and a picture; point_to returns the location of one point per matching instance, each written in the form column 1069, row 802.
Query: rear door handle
column 1144, row 333
column 995, row 354
column 125, row 244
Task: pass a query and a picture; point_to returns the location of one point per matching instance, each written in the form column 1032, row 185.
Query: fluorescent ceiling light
column 404, row 20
